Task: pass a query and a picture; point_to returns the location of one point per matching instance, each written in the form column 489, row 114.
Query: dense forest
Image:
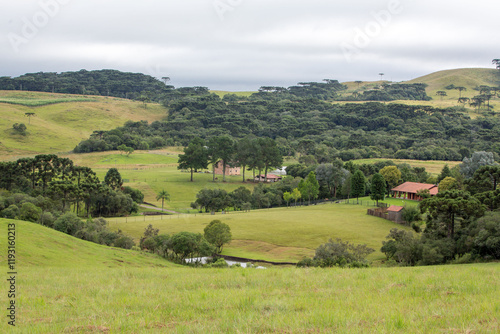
column 102, row 82
column 313, row 127
column 147, row 88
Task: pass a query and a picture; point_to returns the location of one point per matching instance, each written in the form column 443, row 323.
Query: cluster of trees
column 49, row 212
column 391, row 92
column 187, row 245
column 260, row 154
column 327, row 90
column 101, row 82
column 63, row 186
column 486, row 93
column 313, row 127
column 338, row 253
column 115, row 83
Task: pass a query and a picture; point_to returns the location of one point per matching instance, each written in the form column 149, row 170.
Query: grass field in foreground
column 60, row 293
column 281, row 234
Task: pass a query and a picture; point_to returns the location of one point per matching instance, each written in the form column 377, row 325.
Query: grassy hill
column 279, row 234
column 40, row 246
column 67, row 285
column 465, row 77
column 58, row 126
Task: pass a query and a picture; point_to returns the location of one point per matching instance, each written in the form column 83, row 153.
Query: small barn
column 395, row 213
column 409, row 190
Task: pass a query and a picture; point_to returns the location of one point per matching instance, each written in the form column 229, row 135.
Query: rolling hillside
column 40, row 246
column 60, row 126
column 65, row 285
column 466, row 77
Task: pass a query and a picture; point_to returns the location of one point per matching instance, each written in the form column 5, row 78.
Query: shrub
column 47, row 219
column 338, row 253
column 219, row 263
column 11, row 212
column 68, row 223
column 125, row 242
column 30, row 212
column 341, row 253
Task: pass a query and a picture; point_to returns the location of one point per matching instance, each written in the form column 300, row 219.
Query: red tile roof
column 413, row 187
column 395, row 208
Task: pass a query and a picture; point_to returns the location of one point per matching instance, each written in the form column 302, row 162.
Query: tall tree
column 163, row 196
column 496, row 62
column 309, row 187
column 296, row 195
column 441, row 93
column 460, row 90
column 445, row 172
column 447, row 207
column 358, row 184
column 29, row 115
column 113, row 179
column 271, row 156
column 332, row 176
column 221, row 149
column 218, row 234
column 377, row 188
column 226, row 151
column 392, row 175
column 243, row 154
column 195, row 156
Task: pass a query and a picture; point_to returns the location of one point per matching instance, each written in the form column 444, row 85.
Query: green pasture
column 221, row 93
column 278, row 234
column 79, row 287
column 37, row 245
column 57, row 128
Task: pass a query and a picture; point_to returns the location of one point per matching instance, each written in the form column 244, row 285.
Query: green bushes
column 338, row 253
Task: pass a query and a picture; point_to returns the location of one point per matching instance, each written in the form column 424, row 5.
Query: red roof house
column 408, row 190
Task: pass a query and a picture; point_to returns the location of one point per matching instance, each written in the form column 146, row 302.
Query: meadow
column 66, row 285
column 278, row 234
column 61, row 121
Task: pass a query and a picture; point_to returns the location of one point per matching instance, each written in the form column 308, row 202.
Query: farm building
column 270, row 178
column 409, row 190
column 229, row 170
column 394, row 213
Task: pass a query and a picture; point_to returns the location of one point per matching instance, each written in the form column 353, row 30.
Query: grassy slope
column 42, row 246
column 469, row 78
column 279, row 234
column 67, row 285
column 466, row 77
column 60, row 127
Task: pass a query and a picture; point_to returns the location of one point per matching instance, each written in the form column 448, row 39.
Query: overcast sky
column 244, row 44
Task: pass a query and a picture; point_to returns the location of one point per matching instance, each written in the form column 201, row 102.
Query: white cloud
column 251, row 42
